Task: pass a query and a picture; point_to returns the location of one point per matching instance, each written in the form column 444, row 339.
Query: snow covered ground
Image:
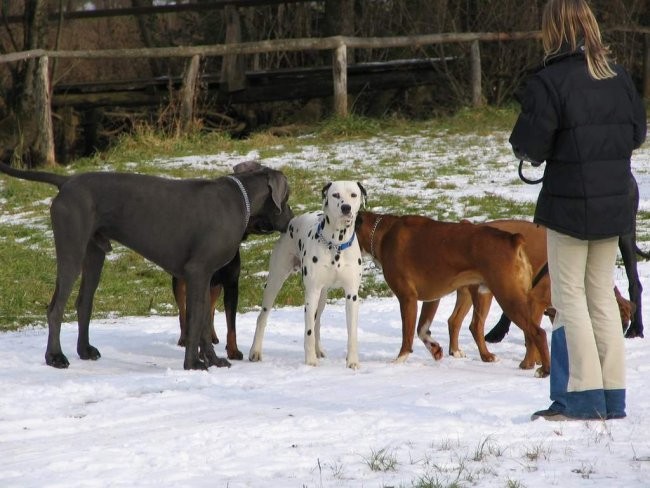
column 135, row 418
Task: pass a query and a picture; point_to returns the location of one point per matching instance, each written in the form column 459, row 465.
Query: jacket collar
column 564, row 53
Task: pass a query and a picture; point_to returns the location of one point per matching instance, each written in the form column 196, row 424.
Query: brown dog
column 423, row 259
column 540, row 296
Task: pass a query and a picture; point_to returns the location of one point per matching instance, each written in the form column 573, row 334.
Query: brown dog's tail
column 42, row 176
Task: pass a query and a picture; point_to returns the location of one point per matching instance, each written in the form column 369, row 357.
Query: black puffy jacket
column 585, row 130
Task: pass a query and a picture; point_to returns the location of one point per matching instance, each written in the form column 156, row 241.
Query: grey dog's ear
column 246, row 166
column 364, row 194
column 324, row 190
column 279, row 188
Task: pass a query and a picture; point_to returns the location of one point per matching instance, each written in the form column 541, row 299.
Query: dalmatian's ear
column 364, row 194
column 324, row 190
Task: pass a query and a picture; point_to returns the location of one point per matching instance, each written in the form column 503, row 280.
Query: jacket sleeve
column 639, row 120
column 533, row 135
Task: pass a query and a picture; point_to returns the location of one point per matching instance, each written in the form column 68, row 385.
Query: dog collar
column 338, row 247
column 372, row 236
column 247, row 202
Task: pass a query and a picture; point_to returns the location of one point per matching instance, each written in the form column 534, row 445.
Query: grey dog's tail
column 51, row 178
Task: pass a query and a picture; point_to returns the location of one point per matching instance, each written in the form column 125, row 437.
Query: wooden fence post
column 188, row 94
column 477, row 89
column 340, row 73
column 43, row 106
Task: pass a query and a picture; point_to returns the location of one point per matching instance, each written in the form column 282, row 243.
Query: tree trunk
column 30, row 140
column 339, row 21
column 147, row 26
column 233, row 75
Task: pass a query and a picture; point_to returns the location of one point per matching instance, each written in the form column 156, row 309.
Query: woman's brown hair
column 572, row 21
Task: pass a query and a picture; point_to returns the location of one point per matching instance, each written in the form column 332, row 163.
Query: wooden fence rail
column 337, row 44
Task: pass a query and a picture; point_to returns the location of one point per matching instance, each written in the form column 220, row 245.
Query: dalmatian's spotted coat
column 322, row 246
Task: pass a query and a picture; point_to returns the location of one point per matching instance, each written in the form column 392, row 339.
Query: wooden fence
column 338, row 45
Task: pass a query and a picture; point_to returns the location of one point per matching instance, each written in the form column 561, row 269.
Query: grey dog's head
column 276, row 212
column 341, row 202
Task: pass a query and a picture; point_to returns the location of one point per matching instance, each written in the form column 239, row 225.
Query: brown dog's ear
column 246, row 166
column 324, row 190
column 364, row 193
column 358, row 221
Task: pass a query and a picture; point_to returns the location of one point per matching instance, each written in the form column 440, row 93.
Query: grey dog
column 190, row 228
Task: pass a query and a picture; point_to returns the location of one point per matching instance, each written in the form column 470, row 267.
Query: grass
column 382, row 460
column 390, row 156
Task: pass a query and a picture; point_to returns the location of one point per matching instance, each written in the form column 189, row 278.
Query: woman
column 582, row 115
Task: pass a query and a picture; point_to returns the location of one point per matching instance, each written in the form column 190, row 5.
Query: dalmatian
column 322, row 246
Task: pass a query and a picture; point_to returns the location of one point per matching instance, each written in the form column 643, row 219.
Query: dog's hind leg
column 90, row 274
column 627, row 246
column 53, row 353
column 427, row 312
column 70, row 242
column 320, row 352
column 312, row 299
column 455, row 321
column 215, row 291
column 282, row 263
column 180, row 291
column 482, row 302
column 230, row 300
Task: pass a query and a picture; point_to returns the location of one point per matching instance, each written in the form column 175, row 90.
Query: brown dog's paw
column 435, row 349
column 525, row 364
column 235, row 354
column 541, row 373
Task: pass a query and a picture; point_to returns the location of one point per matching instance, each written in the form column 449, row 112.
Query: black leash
column 523, row 178
column 541, row 273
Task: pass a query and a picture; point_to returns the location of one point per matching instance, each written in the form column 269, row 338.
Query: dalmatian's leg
column 352, row 318
column 312, row 298
column 320, row 352
column 282, row 263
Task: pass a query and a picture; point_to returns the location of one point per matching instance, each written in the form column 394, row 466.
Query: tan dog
column 423, row 259
column 540, row 297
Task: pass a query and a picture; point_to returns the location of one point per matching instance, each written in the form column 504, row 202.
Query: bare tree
column 20, row 128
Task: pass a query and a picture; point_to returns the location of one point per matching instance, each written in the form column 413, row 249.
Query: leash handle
column 523, row 178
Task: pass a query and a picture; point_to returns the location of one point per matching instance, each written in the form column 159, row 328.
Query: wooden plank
column 274, row 45
column 262, row 86
column 155, row 10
